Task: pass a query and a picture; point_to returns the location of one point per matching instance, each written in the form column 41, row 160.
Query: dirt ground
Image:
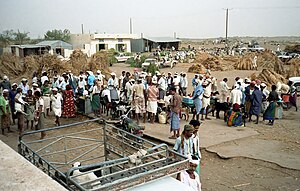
column 238, row 173
column 242, row 173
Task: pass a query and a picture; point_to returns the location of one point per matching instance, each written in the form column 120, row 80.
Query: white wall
column 111, row 43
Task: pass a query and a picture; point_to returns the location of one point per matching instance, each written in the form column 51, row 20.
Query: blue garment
column 91, row 80
column 196, row 97
column 247, row 93
column 175, row 121
column 12, row 96
column 194, row 82
column 73, row 83
column 256, row 101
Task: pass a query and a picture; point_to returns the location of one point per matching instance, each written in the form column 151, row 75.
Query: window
column 101, row 40
column 120, row 40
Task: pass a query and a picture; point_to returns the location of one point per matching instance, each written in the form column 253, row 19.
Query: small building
column 150, row 43
column 57, row 47
column 90, row 44
column 28, row 49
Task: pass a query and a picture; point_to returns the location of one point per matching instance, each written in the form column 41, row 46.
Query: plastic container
column 285, row 98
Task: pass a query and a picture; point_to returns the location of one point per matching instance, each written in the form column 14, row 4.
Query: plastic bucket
column 285, row 98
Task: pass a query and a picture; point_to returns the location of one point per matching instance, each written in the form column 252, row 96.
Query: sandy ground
column 238, row 172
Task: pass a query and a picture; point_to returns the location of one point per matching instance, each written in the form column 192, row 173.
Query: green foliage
column 128, row 54
column 152, row 68
column 55, row 34
column 21, row 38
column 143, row 58
column 9, row 37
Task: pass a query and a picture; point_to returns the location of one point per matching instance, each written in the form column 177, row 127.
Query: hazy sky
column 188, row 18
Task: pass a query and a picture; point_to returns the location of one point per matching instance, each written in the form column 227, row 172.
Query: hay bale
column 100, row 61
column 215, row 63
column 265, row 59
column 197, row 68
column 270, row 77
column 78, row 61
column 294, row 69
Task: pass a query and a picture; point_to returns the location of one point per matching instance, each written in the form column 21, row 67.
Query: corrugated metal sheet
column 162, row 39
column 28, row 46
column 55, row 44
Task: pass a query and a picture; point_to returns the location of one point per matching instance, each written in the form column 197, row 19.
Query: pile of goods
column 16, row 68
column 214, row 63
column 100, row 61
column 266, row 59
column 78, row 60
column 294, row 69
column 269, row 77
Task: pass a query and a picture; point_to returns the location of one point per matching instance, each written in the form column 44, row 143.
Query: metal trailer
column 104, row 150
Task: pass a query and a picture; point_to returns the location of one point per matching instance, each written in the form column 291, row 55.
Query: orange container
column 285, row 98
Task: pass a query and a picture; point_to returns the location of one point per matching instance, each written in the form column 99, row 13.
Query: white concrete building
column 97, row 42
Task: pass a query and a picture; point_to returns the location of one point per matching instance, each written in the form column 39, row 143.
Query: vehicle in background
column 149, row 61
column 62, row 58
column 121, row 57
column 283, row 56
column 294, row 55
column 296, row 81
column 256, row 48
column 168, row 63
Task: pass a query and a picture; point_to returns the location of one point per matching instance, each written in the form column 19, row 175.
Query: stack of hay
column 294, row 69
column 197, row 68
column 78, row 61
column 100, row 61
column 265, row 59
column 214, row 63
column 269, row 77
column 10, row 65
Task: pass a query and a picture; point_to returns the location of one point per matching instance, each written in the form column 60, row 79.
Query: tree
column 20, row 38
column 6, row 38
column 55, row 34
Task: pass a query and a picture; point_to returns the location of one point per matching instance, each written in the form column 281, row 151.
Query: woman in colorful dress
column 68, row 103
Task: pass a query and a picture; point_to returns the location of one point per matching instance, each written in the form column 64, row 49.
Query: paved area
column 229, row 142
column 212, row 132
column 13, row 167
column 267, row 150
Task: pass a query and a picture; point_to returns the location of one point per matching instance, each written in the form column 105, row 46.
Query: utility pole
column 81, row 28
column 130, row 25
column 226, row 29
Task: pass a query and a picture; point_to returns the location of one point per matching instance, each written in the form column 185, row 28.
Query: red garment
column 68, row 104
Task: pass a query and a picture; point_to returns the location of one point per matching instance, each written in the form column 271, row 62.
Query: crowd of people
column 30, row 103
column 140, row 90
